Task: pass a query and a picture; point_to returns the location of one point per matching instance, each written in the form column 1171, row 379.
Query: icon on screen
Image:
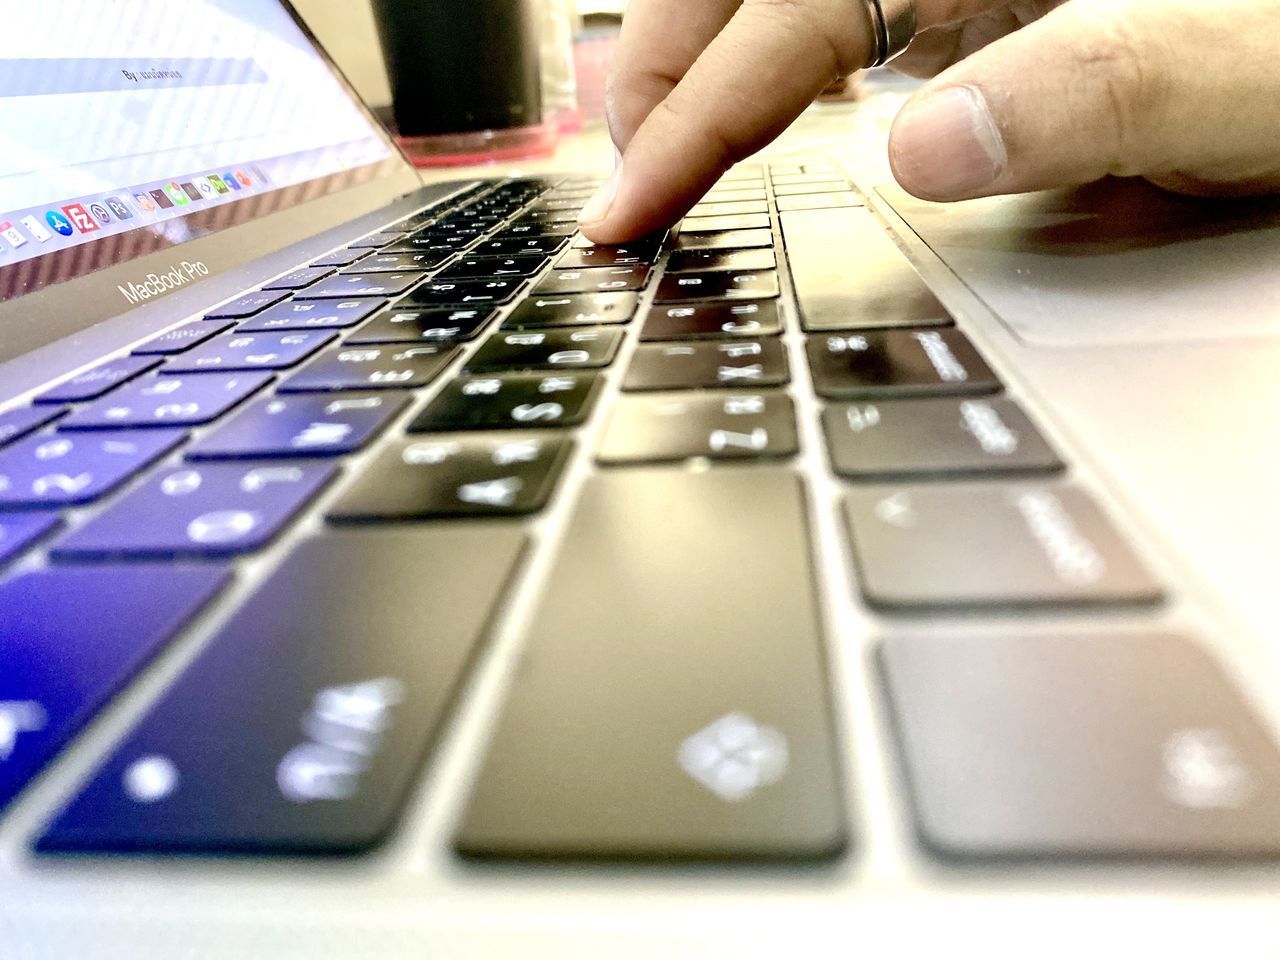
column 80, row 218
column 99, row 213
column 161, row 197
column 205, row 187
column 190, row 190
column 144, row 202
column 59, row 224
column 230, row 182
column 119, row 208
column 243, row 178
column 217, row 183
column 36, row 229
column 174, row 193
column 11, row 233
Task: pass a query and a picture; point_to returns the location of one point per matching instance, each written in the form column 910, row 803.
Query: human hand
column 1028, row 94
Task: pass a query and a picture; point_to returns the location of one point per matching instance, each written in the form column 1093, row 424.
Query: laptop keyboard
column 673, row 699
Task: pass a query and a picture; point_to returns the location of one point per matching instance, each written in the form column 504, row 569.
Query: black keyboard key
column 936, row 547
column 934, row 438
column 725, row 240
column 158, row 401
column 346, row 286
column 656, row 715
column 365, row 367
column 581, row 258
column 207, row 509
column 894, row 363
column 420, row 261
column 74, row 636
column 429, row 244
column 462, row 293
column 17, row 423
column 250, row 351
column 317, row 738
column 246, row 305
column 762, row 285
column 740, row 364
column 300, row 425
column 543, row 245
column 678, row 426
column 744, row 221
column 341, row 258
column 18, row 531
column 95, row 382
column 598, row 280
column 509, row 401
column 379, row 239
column 457, row 475
column 1131, row 744
column 311, row 315
column 476, row 268
column 183, row 338
column 60, row 469
column 690, row 261
column 549, row 216
column 549, row 203
column 573, row 310
column 297, row 279
column 518, row 231
column 878, row 288
column 417, row 326
column 553, row 349
column 755, row 318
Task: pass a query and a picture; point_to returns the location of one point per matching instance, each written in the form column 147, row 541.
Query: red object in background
column 481, row 146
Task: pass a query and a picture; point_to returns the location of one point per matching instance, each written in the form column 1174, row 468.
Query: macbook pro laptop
column 387, row 571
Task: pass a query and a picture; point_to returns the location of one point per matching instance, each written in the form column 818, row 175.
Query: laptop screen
column 126, row 128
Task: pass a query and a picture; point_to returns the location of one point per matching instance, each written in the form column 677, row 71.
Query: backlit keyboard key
column 934, row 438
column 725, row 240
column 457, row 475
column 300, row 425
column 17, row 423
column 462, row 293
column 553, row 349
column 246, row 305
column 573, row 310
column 580, row 258
column 757, row 318
column 712, row 207
column 595, row 280
column 305, row 740
column 889, row 363
column 1080, row 745
column 949, row 546
column 484, row 268
column 311, row 315
column 416, row 326
column 366, row 367
column 671, row 701
column 349, row 286
column 94, row 383
column 250, row 351
column 543, row 245
column 64, row 469
column 761, row 285
column 511, row 400
column 18, row 531
column 74, row 636
column 738, row 364
column 677, row 426
column 208, row 509
column 688, row 261
column 164, row 401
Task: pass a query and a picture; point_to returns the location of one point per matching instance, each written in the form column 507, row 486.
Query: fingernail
column 947, row 146
column 598, row 207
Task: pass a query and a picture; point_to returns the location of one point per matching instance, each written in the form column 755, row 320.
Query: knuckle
column 1131, row 86
column 828, row 25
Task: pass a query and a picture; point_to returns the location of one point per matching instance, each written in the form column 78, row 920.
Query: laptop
column 387, row 571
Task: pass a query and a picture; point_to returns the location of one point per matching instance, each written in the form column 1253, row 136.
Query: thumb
column 1100, row 87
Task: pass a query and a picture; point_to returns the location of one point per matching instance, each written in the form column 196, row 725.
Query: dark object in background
column 461, row 65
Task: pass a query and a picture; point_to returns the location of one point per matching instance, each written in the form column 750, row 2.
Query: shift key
column 302, row 725
column 672, row 701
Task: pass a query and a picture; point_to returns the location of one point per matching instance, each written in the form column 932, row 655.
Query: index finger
column 752, row 80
